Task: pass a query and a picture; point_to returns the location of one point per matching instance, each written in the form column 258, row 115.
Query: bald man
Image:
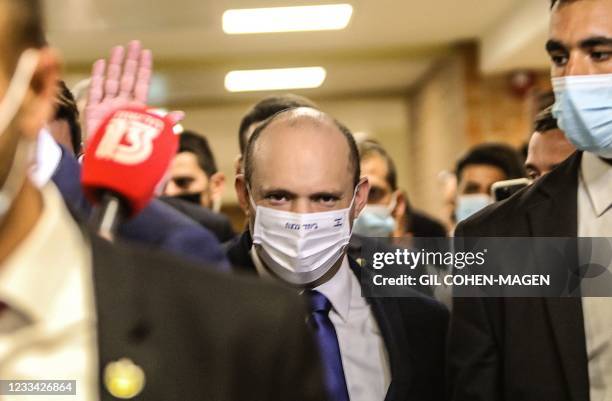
column 301, row 191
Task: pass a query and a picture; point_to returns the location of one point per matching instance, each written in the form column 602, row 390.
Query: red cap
column 129, row 155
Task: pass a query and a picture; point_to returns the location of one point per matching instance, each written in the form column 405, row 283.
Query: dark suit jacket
column 158, row 226
column 219, row 224
column 522, row 349
column 413, row 328
column 201, row 335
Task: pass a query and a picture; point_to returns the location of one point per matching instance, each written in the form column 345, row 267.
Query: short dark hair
column 265, row 109
column 370, row 148
column 498, row 155
column 67, row 110
column 545, row 121
column 25, row 28
column 353, row 150
column 192, row 142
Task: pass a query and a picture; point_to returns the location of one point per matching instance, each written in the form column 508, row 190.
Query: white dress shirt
column 48, row 331
column 362, row 348
column 595, row 220
column 363, row 352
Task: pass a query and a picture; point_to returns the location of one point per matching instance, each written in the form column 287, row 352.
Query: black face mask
column 191, row 198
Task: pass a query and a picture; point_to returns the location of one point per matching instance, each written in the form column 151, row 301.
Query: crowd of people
column 180, row 306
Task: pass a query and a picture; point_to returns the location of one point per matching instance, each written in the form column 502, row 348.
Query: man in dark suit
column 549, row 348
column 195, row 185
column 301, row 191
column 121, row 323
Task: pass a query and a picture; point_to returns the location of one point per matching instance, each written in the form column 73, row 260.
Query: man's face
column 581, row 38
column 478, row 179
column 375, row 169
column 186, row 177
column 546, row 151
column 302, row 168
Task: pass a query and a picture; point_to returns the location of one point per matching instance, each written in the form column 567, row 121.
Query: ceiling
column 388, row 46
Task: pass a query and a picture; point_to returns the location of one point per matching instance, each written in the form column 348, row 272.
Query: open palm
column 122, row 82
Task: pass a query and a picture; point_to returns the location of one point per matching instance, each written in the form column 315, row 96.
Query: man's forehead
column 575, row 21
column 311, row 156
column 374, row 164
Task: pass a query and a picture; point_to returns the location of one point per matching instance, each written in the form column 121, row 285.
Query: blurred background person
column 370, row 343
column 388, row 212
column 194, row 176
column 195, row 185
column 548, row 146
column 477, row 171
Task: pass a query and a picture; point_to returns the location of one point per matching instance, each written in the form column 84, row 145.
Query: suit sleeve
column 473, row 361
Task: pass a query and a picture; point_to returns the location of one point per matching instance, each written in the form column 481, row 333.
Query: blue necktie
column 325, row 335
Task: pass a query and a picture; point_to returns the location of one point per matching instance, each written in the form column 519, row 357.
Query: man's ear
column 39, row 105
column 361, row 197
column 400, row 205
column 399, row 213
column 243, row 194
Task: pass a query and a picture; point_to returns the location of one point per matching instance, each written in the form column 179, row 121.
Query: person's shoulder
column 501, row 217
column 215, row 294
column 424, row 305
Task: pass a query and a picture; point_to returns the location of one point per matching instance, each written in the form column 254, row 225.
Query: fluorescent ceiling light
column 287, row 19
column 275, row 79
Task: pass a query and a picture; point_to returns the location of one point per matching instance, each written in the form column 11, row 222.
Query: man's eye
column 533, row 175
column 559, row 59
column 276, row 198
column 601, row 56
column 327, row 200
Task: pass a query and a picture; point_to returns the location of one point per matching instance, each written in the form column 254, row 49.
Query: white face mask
column 300, row 248
column 9, row 106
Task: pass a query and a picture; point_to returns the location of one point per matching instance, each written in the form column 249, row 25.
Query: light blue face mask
column 374, row 221
column 467, row 205
column 583, row 110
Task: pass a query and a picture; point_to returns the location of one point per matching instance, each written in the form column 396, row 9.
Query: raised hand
column 123, row 81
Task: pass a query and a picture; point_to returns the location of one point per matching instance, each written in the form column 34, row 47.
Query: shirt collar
column 339, row 289
column 48, row 158
column 39, row 278
column 596, row 176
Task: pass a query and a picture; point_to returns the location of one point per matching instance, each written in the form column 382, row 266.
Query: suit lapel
column 238, row 253
column 387, row 313
column 556, row 215
column 123, row 325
